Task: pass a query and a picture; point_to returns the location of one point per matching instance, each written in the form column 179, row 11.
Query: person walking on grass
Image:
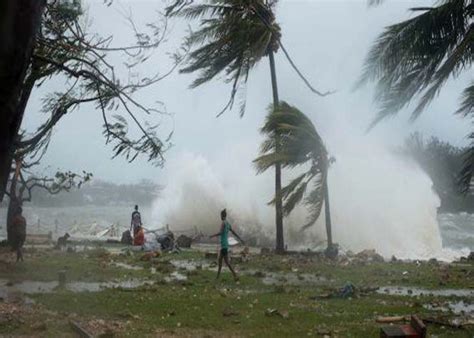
column 223, row 235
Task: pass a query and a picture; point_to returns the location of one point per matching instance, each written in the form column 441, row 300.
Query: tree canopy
column 413, row 59
column 300, row 146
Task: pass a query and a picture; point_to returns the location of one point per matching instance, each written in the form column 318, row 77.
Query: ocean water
column 457, row 230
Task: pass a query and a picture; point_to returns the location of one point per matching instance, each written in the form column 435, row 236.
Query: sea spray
column 379, row 199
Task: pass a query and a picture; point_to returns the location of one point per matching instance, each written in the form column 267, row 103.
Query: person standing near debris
column 223, row 234
column 19, row 233
column 139, row 238
column 136, row 221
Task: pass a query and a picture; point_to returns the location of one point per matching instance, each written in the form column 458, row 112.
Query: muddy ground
column 114, row 291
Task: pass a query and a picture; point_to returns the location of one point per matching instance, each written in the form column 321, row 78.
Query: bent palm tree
column 233, row 36
column 415, row 58
column 300, row 145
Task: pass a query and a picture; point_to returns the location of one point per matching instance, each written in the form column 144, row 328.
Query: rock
column 229, row 313
column 184, row 241
column 369, row 256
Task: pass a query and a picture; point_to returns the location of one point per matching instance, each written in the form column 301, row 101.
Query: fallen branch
column 79, row 329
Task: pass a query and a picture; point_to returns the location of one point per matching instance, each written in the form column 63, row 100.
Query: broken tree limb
column 80, row 330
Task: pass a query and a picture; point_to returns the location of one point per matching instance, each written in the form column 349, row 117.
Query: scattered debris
column 126, row 238
column 184, row 241
column 369, row 256
column 149, row 255
column 393, row 319
column 228, row 312
column 80, row 330
column 245, row 253
column 274, row 312
column 347, row 291
column 416, row 328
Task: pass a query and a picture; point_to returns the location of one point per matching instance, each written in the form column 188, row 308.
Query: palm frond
column 314, row 202
column 467, row 102
column 300, row 144
column 467, row 172
column 266, row 161
column 231, row 40
column 419, row 55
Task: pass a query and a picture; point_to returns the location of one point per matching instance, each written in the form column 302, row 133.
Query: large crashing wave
column 379, row 200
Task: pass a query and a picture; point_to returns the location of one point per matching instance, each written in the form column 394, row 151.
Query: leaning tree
column 19, row 24
column 301, row 146
column 413, row 60
column 234, row 36
column 64, row 50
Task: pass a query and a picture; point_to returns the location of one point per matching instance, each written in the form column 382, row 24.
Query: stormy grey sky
column 327, row 39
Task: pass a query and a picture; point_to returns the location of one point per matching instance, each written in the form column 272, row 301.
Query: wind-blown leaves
column 232, row 38
column 413, row 59
column 300, row 145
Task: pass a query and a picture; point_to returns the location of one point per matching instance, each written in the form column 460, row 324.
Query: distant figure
column 136, row 221
column 19, row 233
column 223, row 234
column 139, row 237
column 62, row 241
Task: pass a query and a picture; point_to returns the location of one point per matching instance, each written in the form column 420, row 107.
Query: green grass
column 197, row 306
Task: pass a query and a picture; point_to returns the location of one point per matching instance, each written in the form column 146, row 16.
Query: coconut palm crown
column 300, row 146
column 232, row 37
column 413, row 59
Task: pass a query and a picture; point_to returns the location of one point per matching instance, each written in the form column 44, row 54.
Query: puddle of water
column 458, row 308
column 413, row 291
column 32, row 287
column 274, row 278
column 189, row 265
column 176, row 277
column 127, row 266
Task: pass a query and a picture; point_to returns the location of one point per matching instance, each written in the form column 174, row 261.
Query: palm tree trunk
column 327, row 212
column 280, row 242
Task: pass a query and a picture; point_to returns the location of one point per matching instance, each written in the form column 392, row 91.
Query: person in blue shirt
column 223, row 235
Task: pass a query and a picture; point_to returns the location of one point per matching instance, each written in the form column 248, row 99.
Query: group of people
column 136, row 227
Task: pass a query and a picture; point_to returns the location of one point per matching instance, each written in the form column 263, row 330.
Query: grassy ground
column 201, row 306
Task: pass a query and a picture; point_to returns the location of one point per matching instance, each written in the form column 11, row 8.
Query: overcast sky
column 327, row 39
